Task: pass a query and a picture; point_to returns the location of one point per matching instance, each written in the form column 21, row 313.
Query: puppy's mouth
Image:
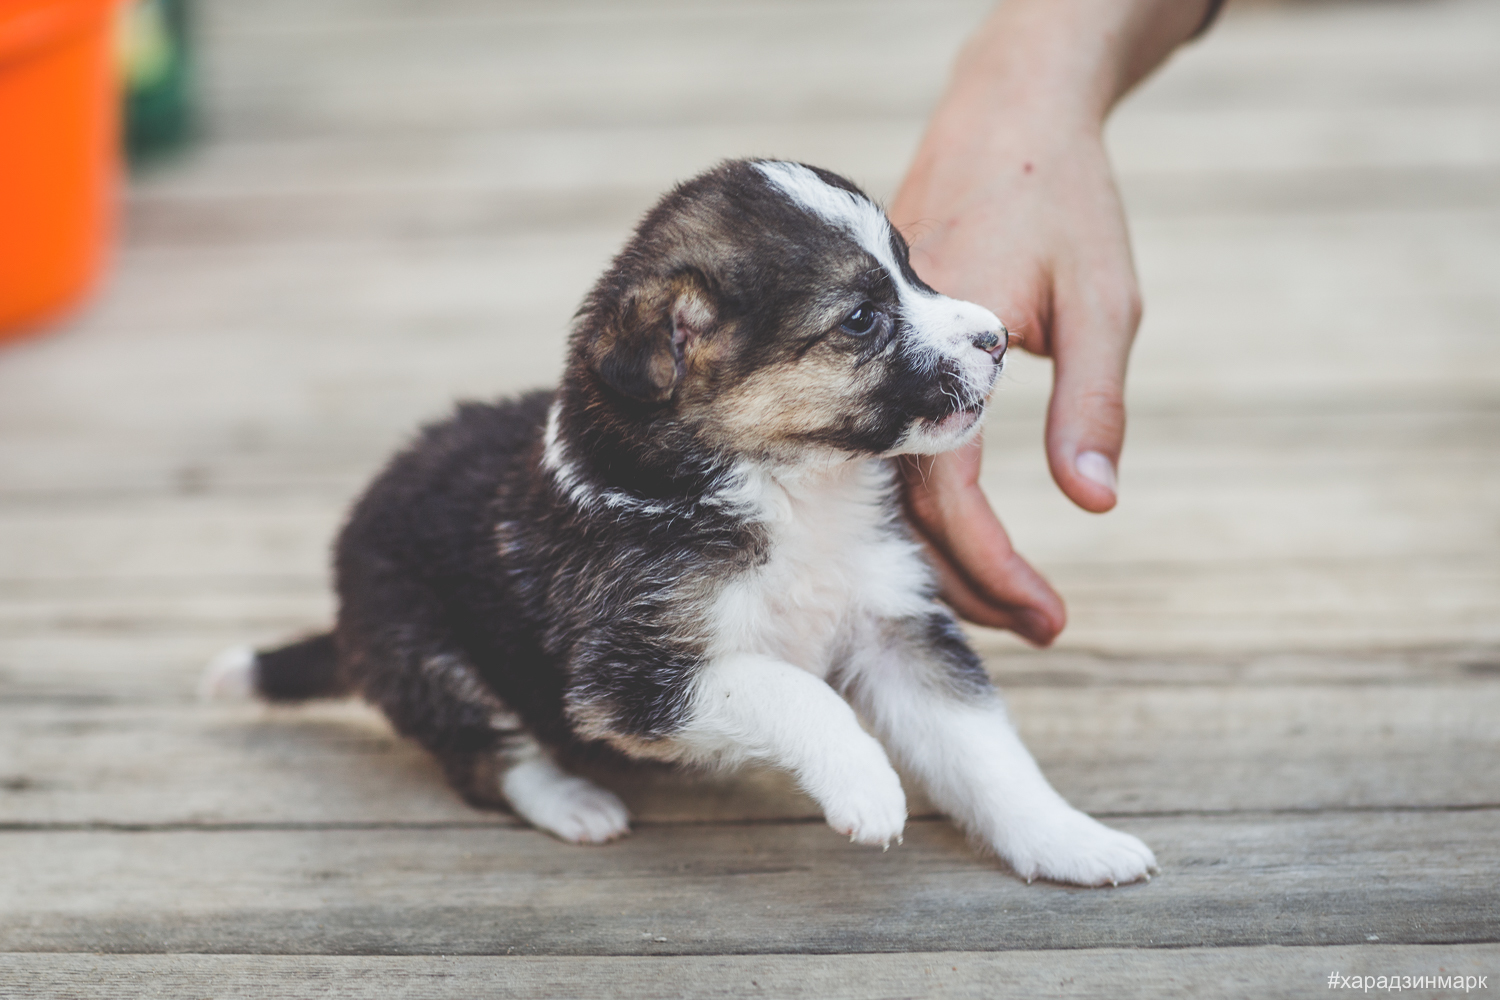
column 954, row 423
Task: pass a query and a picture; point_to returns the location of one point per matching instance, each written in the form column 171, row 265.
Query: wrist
column 1029, row 66
column 996, row 119
column 1066, row 63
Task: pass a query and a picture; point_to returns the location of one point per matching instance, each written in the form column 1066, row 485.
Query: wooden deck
column 1283, row 667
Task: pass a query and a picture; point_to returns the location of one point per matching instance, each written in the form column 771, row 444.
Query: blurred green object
column 157, row 70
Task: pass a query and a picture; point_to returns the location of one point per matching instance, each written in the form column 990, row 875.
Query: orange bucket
column 59, row 154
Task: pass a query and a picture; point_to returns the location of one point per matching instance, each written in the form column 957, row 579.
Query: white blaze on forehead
column 845, row 210
column 946, row 325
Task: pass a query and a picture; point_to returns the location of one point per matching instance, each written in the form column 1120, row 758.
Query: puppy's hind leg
column 399, row 650
column 549, row 798
column 442, row 702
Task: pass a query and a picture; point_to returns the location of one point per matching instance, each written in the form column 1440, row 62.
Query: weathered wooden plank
column 335, row 762
column 1184, row 611
column 480, row 320
column 1395, row 455
column 261, row 611
column 1121, row 750
column 112, row 665
column 1237, row 532
column 399, row 72
column 162, row 544
column 1218, row 486
column 1283, row 605
column 1231, row 608
column 491, row 179
column 402, row 73
column 1252, row 973
column 1401, row 878
column 1279, row 150
column 1192, row 497
column 436, row 296
column 119, row 665
column 279, row 218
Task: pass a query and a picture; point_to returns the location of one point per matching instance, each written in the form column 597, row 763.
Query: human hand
column 1034, row 231
column 981, row 575
column 1011, row 203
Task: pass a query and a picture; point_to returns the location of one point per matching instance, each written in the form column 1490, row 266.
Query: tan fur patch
column 794, row 401
column 593, row 722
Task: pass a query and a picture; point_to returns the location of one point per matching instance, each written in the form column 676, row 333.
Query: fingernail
column 1093, row 466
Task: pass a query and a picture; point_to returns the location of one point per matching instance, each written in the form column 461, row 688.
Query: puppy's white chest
column 832, row 561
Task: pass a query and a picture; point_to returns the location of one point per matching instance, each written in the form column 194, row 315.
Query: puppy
column 693, row 552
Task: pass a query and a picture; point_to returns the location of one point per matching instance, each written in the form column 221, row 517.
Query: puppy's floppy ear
column 640, row 349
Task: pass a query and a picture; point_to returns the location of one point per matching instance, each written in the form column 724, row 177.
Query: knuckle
column 1104, row 405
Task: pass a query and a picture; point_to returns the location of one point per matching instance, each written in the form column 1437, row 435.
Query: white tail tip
column 230, row 675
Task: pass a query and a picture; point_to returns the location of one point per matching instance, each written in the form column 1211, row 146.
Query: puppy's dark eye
column 862, row 320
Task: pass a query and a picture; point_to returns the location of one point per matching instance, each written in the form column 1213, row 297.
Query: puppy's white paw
column 582, row 813
column 867, row 806
column 1070, row 846
column 567, row 806
column 229, row 675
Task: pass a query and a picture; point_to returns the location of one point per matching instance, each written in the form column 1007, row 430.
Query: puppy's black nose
column 992, row 342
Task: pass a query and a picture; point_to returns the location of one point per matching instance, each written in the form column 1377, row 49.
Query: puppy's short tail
column 305, row 669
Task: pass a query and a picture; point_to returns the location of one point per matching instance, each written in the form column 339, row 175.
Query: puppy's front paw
column 868, row 807
column 1070, row 846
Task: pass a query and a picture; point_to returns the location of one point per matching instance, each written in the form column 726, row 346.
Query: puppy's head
column 768, row 309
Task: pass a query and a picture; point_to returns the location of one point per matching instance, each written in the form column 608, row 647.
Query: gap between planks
column 507, row 821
